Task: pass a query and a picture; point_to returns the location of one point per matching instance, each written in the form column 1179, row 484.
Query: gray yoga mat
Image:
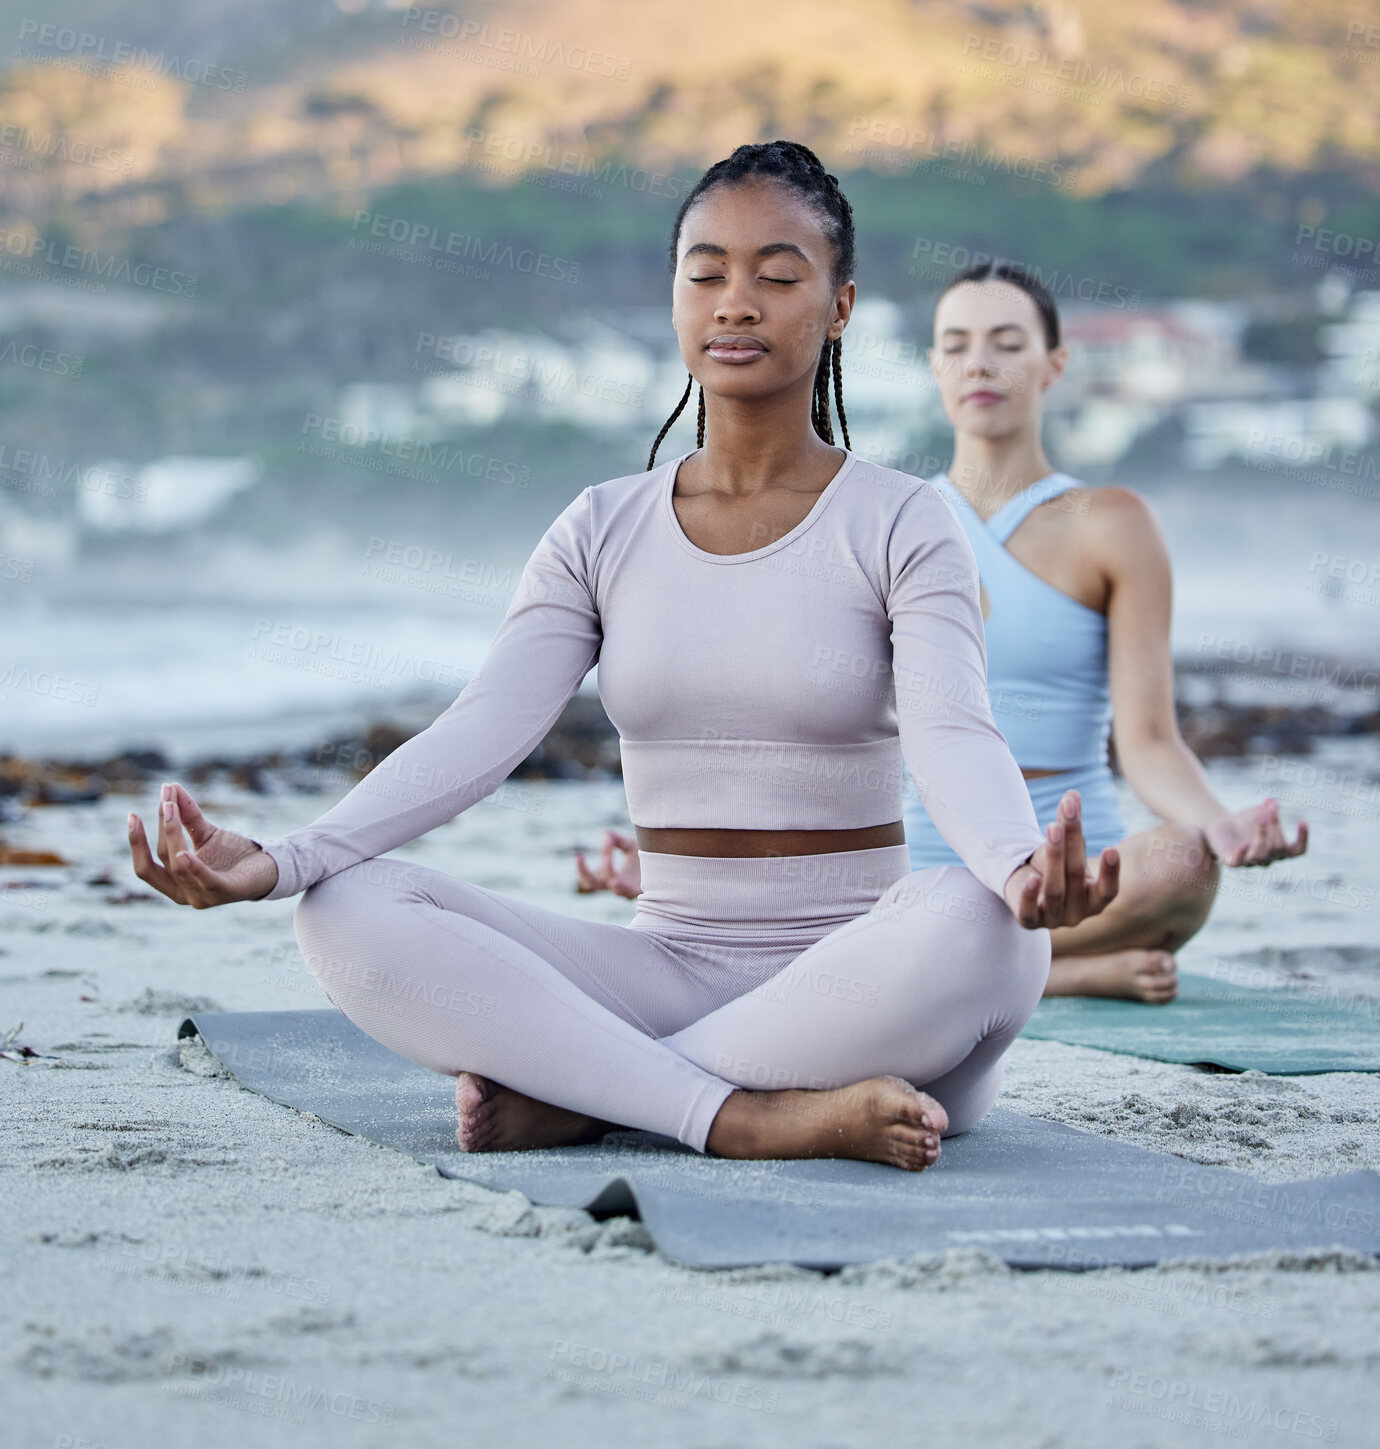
column 1282, row 1031
column 1036, row 1193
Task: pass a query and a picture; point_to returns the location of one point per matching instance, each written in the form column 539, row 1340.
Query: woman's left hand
column 1055, row 887
column 1253, row 836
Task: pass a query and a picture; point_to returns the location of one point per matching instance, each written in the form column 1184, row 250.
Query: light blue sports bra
column 1046, row 652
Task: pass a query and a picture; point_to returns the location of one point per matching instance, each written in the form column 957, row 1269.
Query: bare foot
column 498, row 1119
column 1136, row 974
column 884, row 1119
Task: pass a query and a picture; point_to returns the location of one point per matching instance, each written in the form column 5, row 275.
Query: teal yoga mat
column 1286, row 1032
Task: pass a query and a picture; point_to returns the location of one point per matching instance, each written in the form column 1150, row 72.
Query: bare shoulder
column 1114, row 508
column 1121, row 526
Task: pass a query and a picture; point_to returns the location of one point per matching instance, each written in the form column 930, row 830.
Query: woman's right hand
column 624, row 880
column 212, row 869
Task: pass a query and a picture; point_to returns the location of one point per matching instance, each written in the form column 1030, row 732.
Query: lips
column 735, row 348
column 985, row 397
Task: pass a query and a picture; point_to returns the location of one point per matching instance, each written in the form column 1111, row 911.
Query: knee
column 1028, row 960
column 323, row 900
column 364, row 877
column 1011, row 964
column 1177, row 882
column 340, row 931
column 335, row 908
column 1003, row 956
column 1182, row 863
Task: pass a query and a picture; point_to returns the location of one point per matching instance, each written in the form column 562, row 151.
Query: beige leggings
column 763, row 973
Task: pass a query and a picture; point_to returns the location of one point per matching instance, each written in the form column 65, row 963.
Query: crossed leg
column 931, row 985
column 927, row 989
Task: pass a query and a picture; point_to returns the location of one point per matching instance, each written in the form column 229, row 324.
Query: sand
column 188, row 1263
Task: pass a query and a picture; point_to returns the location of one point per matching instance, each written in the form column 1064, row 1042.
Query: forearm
column 412, row 791
column 964, row 772
column 1168, row 778
column 972, row 790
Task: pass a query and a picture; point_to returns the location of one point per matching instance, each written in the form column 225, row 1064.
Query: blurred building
column 1129, row 371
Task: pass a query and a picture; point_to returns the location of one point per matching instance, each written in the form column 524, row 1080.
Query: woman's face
column 990, row 360
column 753, row 300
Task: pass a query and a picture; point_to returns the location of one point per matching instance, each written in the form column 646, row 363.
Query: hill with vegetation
column 1173, row 147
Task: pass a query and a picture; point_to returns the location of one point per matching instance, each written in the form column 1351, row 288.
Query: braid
column 796, row 166
column 699, row 422
column 819, row 406
column 837, row 350
column 666, row 427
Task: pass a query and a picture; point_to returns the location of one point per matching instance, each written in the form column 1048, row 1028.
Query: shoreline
column 1266, row 707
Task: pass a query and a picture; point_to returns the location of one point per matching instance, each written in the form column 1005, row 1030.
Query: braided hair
column 799, row 168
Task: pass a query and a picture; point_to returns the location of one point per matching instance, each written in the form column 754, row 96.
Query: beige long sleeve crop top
column 778, row 688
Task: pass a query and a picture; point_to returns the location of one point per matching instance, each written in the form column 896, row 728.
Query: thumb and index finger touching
column 189, row 813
